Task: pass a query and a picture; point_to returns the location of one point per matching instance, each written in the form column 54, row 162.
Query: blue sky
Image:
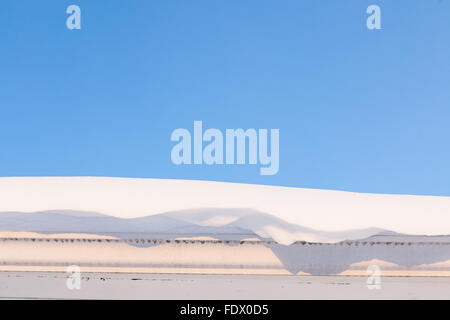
column 357, row 110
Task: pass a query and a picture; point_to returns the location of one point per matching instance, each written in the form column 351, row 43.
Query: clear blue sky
column 357, row 110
